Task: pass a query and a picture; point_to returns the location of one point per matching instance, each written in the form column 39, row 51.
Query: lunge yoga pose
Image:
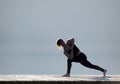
column 75, row 55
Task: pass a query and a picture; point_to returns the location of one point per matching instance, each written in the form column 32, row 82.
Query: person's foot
column 66, row 75
column 104, row 73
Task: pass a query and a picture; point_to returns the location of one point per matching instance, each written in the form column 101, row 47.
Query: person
column 75, row 55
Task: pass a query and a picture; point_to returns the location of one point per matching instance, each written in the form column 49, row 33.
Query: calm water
column 37, row 59
column 29, row 28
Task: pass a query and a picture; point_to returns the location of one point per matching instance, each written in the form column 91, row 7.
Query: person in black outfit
column 75, row 55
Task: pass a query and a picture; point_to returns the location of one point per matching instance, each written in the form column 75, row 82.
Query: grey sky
column 95, row 25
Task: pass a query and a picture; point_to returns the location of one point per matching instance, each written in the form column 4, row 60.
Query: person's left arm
column 71, row 43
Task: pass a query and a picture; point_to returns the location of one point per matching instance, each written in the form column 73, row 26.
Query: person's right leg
column 86, row 63
column 89, row 65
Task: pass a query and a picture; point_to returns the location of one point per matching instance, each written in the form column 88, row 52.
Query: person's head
column 60, row 42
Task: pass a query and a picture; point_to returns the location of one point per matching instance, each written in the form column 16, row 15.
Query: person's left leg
column 69, row 65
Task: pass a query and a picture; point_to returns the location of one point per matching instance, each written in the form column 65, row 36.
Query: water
column 29, row 58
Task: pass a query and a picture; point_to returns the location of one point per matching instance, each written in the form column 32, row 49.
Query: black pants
column 82, row 59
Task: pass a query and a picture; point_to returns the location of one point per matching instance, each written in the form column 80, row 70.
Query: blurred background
column 29, row 30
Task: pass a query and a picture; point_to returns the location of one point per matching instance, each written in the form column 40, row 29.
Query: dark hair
column 59, row 42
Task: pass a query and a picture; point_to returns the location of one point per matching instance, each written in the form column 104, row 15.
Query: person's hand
column 69, row 56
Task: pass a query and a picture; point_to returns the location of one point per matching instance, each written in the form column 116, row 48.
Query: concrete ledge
column 56, row 79
column 59, row 82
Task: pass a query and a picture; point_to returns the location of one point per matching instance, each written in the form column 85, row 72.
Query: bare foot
column 104, row 73
column 66, row 75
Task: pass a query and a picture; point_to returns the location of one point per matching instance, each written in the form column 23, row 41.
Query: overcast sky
column 95, row 25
